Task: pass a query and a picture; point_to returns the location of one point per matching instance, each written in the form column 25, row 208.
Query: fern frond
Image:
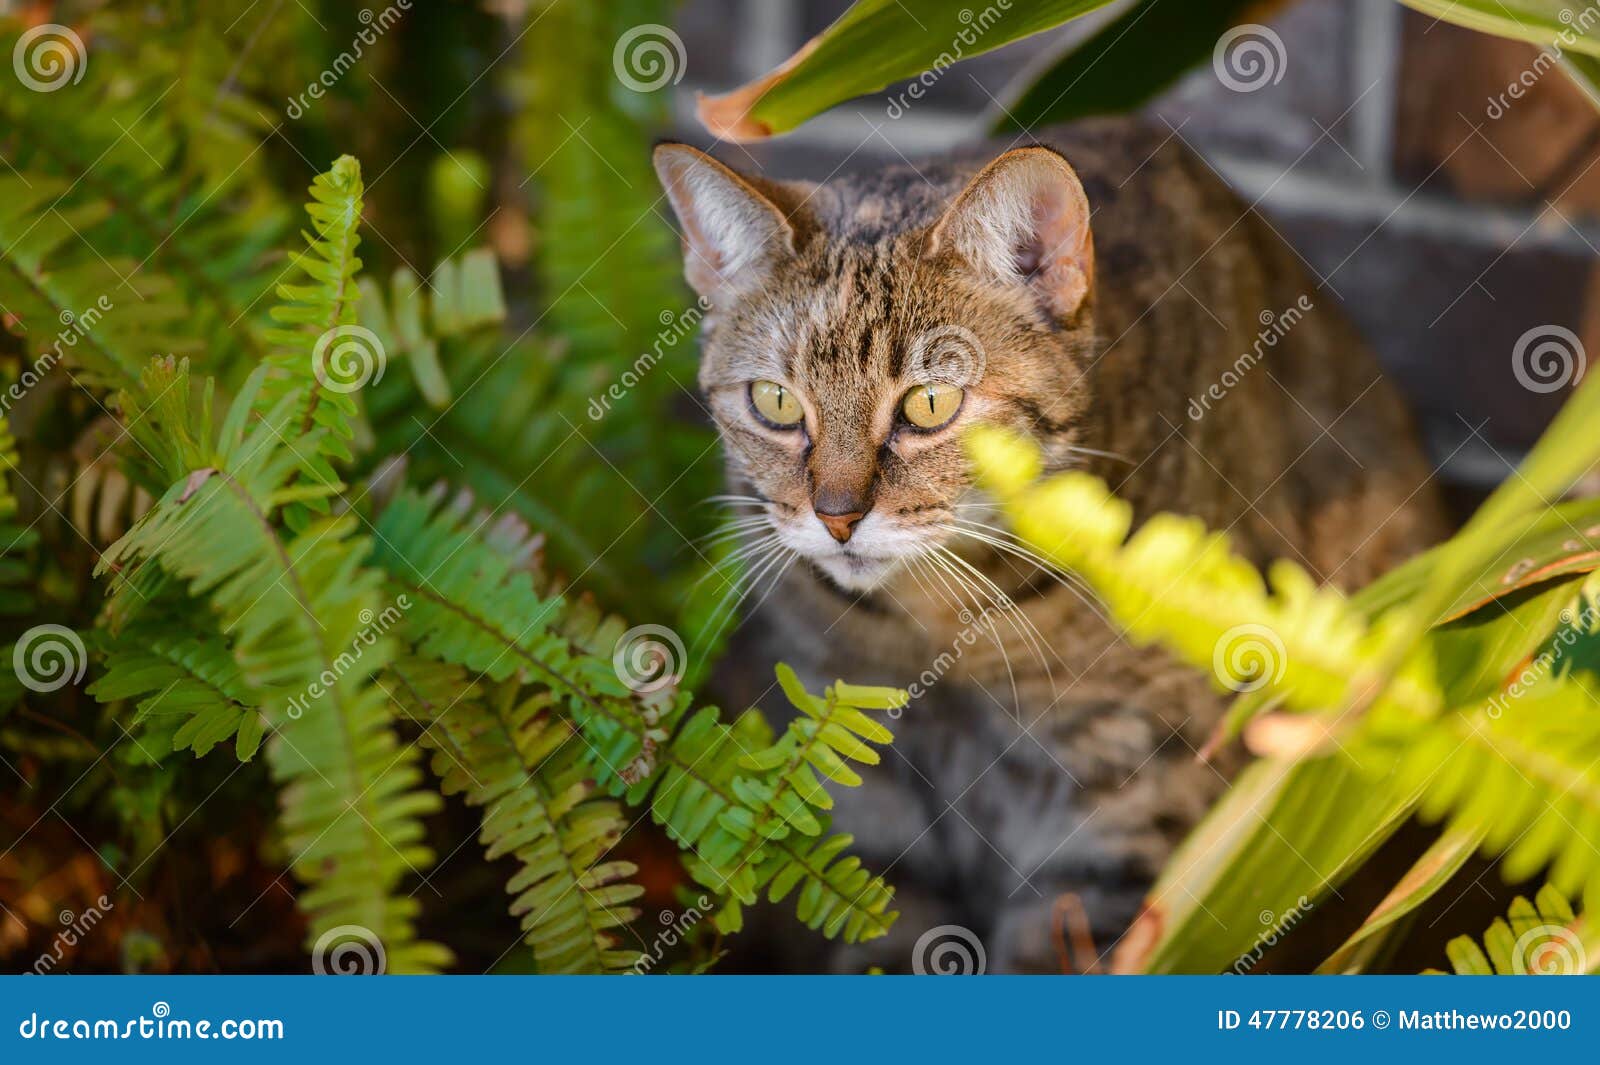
column 191, row 695
column 745, row 806
column 1525, row 771
column 512, row 753
column 300, row 614
column 1522, row 767
column 211, row 238
column 105, row 316
column 321, row 356
column 415, row 316
column 16, row 572
column 1174, row 583
column 1538, row 938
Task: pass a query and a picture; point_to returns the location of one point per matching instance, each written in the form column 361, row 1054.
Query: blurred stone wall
column 1450, row 218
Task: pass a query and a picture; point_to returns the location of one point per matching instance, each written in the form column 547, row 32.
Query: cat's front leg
column 1075, row 823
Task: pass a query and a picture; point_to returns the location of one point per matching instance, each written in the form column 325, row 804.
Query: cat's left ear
column 1024, row 220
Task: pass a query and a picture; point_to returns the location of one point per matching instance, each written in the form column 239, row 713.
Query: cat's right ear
column 733, row 233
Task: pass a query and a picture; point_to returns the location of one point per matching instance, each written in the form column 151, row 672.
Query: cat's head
column 856, row 330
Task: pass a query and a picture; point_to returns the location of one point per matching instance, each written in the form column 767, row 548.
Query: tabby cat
column 1106, row 294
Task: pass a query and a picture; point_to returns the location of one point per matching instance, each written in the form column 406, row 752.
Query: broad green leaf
column 875, row 43
column 1430, row 873
column 1567, row 450
column 1126, row 63
column 1540, row 21
column 1584, row 71
column 1284, row 833
column 1561, row 541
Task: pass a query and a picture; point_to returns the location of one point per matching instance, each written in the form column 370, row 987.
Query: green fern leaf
column 300, row 612
column 512, row 753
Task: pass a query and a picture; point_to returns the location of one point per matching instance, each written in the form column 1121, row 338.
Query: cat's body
column 1184, row 357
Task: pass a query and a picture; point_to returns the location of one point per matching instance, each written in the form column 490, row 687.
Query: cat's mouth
column 865, row 561
column 856, row 570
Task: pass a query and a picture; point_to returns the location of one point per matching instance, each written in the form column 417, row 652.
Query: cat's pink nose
column 840, row 526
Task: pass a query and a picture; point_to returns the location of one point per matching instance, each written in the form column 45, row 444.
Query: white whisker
column 1002, row 540
column 939, row 565
column 1019, row 620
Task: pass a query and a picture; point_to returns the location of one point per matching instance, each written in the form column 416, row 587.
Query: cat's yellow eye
column 931, row 405
column 775, row 403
